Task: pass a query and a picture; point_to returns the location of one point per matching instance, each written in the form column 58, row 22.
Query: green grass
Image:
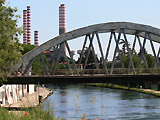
column 33, row 114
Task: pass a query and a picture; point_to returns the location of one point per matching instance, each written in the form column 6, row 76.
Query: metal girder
column 129, row 52
column 45, row 66
column 27, row 67
column 142, row 53
column 53, row 56
column 155, row 62
column 58, row 57
column 130, row 28
column 101, row 51
column 82, row 53
column 71, row 56
column 39, row 60
column 109, row 44
column 154, row 53
column 133, row 48
column 116, row 49
column 93, row 52
column 123, row 28
column 143, row 56
column 69, row 67
column 57, row 60
column 89, row 49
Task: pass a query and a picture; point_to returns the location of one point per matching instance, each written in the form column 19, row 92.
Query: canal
column 73, row 102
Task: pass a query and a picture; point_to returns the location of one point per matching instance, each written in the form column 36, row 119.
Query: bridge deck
column 83, row 79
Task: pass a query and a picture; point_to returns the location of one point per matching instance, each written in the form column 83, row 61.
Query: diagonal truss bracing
column 80, row 68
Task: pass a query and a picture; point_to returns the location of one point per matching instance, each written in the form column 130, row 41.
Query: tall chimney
column 62, row 19
column 36, row 41
column 62, row 27
column 28, row 25
column 25, row 26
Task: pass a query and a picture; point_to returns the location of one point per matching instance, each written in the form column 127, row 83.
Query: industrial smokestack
column 62, row 27
column 36, row 41
column 25, row 26
column 28, row 25
column 62, row 19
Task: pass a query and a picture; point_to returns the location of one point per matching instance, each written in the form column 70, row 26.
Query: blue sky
column 80, row 13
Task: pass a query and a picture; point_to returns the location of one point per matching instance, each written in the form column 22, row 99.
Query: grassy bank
column 33, row 114
column 115, row 86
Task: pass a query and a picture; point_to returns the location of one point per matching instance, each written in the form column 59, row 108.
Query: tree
column 35, row 65
column 125, row 54
column 9, row 40
column 150, row 60
column 26, row 48
column 135, row 58
column 123, row 43
column 124, row 50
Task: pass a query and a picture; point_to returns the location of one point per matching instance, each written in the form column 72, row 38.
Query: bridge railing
column 116, row 71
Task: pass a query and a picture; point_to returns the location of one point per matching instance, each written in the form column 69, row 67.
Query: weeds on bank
column 33, row 114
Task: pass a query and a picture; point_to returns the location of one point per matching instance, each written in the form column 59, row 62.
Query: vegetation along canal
column 79, row 101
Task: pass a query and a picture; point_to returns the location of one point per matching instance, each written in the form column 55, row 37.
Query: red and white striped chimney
column 62, row 19
column 28, row 25
column 25, row 26
column 36, row 41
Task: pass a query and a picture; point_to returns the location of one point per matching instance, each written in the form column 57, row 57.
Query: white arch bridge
column 115, row 43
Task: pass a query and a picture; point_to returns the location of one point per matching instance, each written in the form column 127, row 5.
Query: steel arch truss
column 117, row 32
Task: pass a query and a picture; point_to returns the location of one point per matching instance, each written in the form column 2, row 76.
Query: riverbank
column 37, row 113
column 115, row 86
column 30, row 100
column 21, row 109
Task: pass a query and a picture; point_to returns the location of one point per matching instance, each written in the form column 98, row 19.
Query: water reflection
column 74, row 101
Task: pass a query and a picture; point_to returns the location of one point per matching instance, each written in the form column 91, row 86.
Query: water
column 71, row 102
